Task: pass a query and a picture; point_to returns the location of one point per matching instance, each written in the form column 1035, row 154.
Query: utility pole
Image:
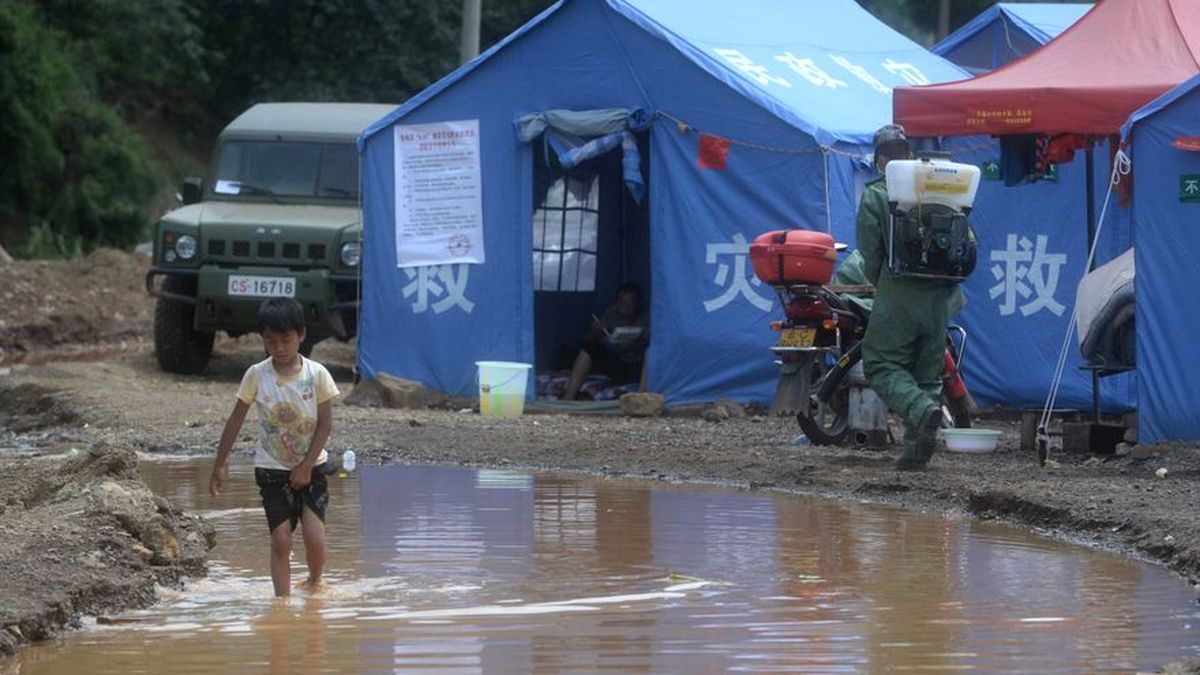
column 943, row 19
column 470, row 30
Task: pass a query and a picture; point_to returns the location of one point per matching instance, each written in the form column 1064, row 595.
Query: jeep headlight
column 185, row 246
column 351, row 253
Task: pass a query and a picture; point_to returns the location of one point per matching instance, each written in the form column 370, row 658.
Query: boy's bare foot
column 312, row 585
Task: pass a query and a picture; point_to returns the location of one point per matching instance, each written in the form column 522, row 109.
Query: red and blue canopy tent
column 1115, row 59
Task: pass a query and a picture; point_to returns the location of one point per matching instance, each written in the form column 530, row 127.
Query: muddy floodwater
column 465, row 571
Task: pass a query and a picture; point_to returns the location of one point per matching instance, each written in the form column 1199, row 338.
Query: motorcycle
column 819, row 351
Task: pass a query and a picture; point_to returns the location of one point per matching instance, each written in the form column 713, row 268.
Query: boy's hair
column 280, row 315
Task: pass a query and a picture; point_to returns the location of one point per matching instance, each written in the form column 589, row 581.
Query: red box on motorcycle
column 793, row 257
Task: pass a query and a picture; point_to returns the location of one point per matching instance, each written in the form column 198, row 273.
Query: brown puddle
column 467, row 571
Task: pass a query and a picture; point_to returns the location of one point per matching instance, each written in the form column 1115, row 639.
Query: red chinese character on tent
column 714, row 152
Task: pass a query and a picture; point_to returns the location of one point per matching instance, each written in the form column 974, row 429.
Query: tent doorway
column 589, row 236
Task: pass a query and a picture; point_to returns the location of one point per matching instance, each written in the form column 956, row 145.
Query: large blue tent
column 741, row 117
column 1006, row 31
column 1164, row 142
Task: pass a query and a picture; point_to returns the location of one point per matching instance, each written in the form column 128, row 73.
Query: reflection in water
column 296, row 636
column 495, row 571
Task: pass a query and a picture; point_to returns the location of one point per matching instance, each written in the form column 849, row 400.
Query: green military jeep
column 279, row 216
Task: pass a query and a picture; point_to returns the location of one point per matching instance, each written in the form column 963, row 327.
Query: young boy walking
column 294, row 400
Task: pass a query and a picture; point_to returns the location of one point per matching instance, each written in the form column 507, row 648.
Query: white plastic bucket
column 502, row 388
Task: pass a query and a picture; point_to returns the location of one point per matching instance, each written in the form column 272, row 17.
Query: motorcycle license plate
column 797, row 337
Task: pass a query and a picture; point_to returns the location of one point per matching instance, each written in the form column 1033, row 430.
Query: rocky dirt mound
column 95, row 301
column 84, row 535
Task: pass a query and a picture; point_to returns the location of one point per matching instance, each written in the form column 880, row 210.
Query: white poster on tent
column 439, row 196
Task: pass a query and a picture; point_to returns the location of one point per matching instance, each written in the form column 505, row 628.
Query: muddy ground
column 65, row 309
column 80, row 533
column 124, row 403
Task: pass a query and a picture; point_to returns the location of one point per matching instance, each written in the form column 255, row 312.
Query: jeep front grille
column 266, row 251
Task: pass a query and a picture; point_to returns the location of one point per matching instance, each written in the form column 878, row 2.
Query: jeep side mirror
column 191, row 189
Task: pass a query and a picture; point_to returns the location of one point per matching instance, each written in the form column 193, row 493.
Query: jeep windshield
column 287, row 169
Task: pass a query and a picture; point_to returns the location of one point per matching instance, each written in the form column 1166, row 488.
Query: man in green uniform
column 906, row 337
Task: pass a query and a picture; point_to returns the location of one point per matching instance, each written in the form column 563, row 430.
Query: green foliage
column 43, row 242
column 81, row 82
column 35, row 84
column 74, row 175
column 918, row 19
column 103, row 188
column 108, row 181
column 381, row 51
column 326, row 50
column 501, row 18
column 138, row 57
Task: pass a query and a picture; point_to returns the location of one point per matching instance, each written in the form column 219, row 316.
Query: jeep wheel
column 179, row 347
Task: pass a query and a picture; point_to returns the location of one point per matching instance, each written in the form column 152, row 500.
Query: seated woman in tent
column 615, row 344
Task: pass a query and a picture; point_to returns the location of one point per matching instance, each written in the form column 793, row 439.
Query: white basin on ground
column 971, row 440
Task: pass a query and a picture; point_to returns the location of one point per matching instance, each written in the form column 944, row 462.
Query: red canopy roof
column 1118, row 57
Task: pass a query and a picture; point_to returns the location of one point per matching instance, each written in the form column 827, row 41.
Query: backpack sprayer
column 928, row 235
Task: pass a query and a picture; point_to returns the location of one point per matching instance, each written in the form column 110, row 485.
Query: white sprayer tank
column 931, row 181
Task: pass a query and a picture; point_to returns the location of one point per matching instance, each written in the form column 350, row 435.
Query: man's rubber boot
column 927, row 431
column 908, row 462
column 917, row 456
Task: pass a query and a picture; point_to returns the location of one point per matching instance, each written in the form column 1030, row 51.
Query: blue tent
column 1164, row 139
column 735, row 119
column 1007, row 31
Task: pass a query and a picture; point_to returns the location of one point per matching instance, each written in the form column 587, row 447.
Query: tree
column 138, row 57
column 918, row 19
column 325, row 50
column 74, row 175
column 350, row 50
column 36, row 81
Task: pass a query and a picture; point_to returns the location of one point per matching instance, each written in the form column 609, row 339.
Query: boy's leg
column 281, row 558
column 314, row 545
column 279, row 505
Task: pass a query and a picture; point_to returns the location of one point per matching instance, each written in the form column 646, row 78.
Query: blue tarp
column 1007, row 31
column 795, row 89
column 1166, row 208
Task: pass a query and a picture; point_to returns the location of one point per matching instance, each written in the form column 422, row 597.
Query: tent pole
column 1091, row 203
column 1091, row 240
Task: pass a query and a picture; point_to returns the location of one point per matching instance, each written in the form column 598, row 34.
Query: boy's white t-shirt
column 287, row 411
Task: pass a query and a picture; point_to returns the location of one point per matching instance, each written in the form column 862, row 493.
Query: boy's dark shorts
column 282, row 503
